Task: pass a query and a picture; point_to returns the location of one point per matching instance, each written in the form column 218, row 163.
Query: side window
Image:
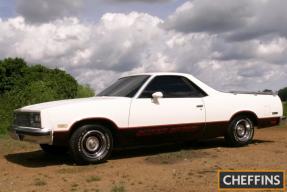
column 172, row 87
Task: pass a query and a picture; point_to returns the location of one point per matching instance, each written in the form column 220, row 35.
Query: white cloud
column 237, row 20
column 39, row 11
column 210, row 16
column 120, row 44
column 273, row 50
column 46, row 43
column 143, row 1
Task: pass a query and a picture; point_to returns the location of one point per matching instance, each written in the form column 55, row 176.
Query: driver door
column 179, row 112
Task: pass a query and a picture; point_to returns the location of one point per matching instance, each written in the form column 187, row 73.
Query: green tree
column 11, row 73
column 85, row 91
column 22, row 85
column 283, row 94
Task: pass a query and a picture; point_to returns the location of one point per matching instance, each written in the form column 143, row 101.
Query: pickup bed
column 142, row 109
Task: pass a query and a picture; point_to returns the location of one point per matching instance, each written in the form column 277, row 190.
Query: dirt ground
column 193, row 167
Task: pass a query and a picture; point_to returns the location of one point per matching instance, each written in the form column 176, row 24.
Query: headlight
column 35, row 120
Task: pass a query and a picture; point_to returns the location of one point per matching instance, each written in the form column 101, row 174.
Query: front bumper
column 34, row 135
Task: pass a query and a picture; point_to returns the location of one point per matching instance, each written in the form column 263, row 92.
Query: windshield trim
column 144, row 86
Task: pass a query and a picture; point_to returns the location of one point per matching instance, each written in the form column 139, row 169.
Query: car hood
column 68, row 102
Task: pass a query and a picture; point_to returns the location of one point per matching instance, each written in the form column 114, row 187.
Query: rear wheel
column 240, row 131
column 91, row 144
column 53, row 149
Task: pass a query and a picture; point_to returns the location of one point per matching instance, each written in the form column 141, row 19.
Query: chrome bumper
column 34, row 135
column 283, row 120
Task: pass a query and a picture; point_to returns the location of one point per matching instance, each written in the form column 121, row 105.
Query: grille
column 22, row 119
column 27, row 119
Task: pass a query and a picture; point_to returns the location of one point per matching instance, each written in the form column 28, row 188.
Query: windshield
column 125, row 87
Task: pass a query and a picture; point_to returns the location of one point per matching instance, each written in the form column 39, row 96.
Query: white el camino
column 148, row 108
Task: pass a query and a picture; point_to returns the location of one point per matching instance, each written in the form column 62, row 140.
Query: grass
column 74, row 187
column 68, row 170
column 93, row 179
column 39, row 182
column 285, row 108
column 118, row 188
column 72, row 169
column 3, row 136
column 9, row 145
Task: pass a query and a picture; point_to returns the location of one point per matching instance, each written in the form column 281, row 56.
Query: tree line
column 22, row 84
column 283, row 94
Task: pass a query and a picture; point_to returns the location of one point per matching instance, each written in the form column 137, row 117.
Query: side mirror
column 156, row 96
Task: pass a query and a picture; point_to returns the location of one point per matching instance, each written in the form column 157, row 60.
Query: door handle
column 199, row 106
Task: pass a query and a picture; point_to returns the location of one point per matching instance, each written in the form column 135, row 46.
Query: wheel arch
column 253, row 117
column 107, row 123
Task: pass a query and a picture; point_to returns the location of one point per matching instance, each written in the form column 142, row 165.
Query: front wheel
column 240, row 131
column 91, row 144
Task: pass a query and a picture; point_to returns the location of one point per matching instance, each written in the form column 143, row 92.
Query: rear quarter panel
column 223, row 106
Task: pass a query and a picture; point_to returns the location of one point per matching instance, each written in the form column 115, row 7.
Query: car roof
column 159, row 73
column 199, row 83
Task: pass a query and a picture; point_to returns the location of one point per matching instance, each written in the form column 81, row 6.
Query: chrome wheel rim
column 92, row 143
column 95, row 144
column 243, row 130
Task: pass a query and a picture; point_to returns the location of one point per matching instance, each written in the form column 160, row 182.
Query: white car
column 148, row 108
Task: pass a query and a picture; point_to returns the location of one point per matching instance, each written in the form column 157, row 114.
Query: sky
column 228, row 44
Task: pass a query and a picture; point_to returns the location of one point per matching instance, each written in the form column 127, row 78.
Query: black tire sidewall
column 76, row 147
column 230, row 138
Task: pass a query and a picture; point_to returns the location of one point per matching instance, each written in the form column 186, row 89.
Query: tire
column 54, row 150
column 91, row 144
column 240, row 131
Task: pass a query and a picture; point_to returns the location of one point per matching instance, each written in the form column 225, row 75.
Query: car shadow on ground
column 175, row 147
column 37, row 159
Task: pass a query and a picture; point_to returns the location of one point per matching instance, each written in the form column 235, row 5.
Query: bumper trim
column 34, row 135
